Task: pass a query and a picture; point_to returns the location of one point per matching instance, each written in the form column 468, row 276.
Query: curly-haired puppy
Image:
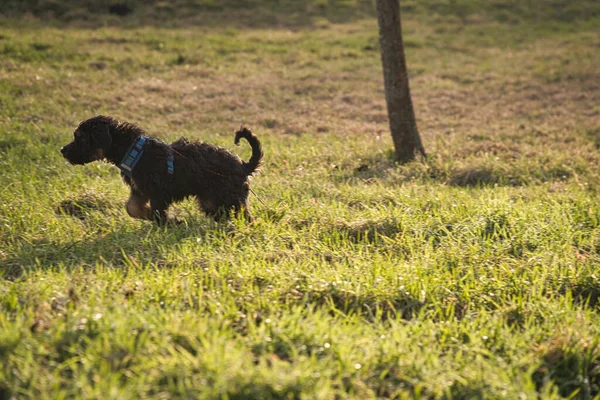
column 160, row 174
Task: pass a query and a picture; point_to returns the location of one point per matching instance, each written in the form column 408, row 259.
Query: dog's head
column 92, row 139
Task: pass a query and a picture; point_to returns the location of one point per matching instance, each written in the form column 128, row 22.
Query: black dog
column 159, row 173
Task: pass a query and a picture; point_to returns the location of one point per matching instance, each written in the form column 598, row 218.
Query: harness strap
column 170, row 159
column 133, row 155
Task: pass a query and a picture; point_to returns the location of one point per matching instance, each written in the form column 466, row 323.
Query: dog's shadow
column 82, row 207
column 116, row 248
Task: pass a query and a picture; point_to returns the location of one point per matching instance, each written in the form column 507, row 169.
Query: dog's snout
column 66, row 151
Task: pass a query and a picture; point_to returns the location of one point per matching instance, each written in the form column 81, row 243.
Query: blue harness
column 135, row 152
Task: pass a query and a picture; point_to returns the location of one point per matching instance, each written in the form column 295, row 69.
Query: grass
column 471, row 275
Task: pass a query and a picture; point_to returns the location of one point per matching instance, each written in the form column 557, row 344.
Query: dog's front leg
column 137, row 205
column 159, row 210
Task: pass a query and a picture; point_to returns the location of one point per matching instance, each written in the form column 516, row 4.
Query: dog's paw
column 176, row 221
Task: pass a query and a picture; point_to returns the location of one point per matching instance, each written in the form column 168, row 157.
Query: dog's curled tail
column 257, row 154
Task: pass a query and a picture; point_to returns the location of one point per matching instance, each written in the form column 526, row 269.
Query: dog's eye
column 79, row 136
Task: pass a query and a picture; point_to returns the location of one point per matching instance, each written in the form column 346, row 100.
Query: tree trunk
column 403, row 125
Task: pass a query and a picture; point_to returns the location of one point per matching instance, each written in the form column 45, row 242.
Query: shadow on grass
column 86, row 252
column 570, row 363
column 381, row 166
column 364, row 231
column 331, row 297
column 348, row 302
column 477, row 173
column 586, row 292
column 116, row 248
column 82, row 207
column 478, row 176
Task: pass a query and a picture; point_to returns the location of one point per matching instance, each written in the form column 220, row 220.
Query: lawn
column 471, row 274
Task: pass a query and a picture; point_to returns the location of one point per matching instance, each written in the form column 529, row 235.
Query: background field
column 471, row 275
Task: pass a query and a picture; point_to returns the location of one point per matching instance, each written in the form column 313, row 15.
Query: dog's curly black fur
column 215, row 176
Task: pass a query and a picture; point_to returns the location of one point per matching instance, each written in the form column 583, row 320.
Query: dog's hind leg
column 210, row 208
column 225, row 213
column 247, row 214
column 137, row 205
column 243, row 210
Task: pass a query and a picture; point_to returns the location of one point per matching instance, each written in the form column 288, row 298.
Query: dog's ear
column 102, row 137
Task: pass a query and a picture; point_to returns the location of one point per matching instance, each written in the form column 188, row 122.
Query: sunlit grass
column 472, row 274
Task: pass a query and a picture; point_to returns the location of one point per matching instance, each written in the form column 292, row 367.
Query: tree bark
column 403, row 126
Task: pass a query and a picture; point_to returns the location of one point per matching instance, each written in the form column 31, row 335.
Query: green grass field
column 474, row 274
